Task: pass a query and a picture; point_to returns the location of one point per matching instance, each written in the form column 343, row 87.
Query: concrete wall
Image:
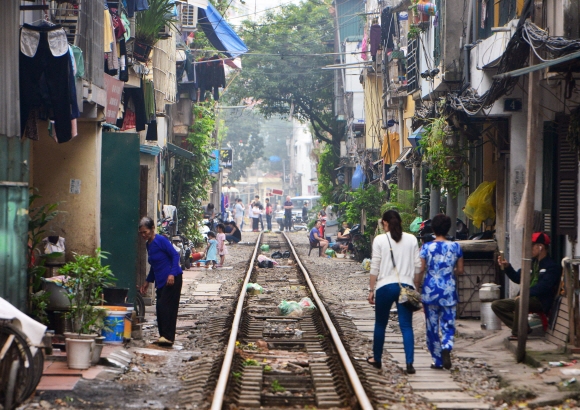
column 52, row 168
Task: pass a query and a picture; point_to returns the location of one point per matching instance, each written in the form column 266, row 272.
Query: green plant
column 444, row 160
column 276, row 387
column 413, row 32
column 190, row 179
column 38, row 217
column 250, row 362
column 237, row 376
column 150, row 22
column 267, row 368
column 86, row 278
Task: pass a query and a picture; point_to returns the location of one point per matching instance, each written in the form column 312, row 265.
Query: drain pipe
column 467, row 46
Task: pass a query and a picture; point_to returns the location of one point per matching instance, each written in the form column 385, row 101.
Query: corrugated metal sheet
column 9, row 92
column 90, row 39
column 14, row 155
column 350, row 20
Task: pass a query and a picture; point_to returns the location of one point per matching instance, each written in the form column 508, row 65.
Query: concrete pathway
column 434, row 386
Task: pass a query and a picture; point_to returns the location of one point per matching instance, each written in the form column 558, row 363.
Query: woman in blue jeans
column 386, row 282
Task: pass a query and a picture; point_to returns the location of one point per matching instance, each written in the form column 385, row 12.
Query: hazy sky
column 258, row 7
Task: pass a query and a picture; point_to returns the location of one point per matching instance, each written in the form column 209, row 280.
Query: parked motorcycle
column 178, row 246
column 426, row 231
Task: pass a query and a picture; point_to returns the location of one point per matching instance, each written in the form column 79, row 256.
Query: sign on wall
column 114, row 89
column 214, row 165
column 226, row 158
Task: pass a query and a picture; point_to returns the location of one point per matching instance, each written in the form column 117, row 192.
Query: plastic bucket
column 114, row 326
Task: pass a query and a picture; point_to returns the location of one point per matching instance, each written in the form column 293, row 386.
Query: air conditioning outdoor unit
column 188, row 17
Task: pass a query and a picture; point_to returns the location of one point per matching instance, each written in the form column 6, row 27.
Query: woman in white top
column 384, row 284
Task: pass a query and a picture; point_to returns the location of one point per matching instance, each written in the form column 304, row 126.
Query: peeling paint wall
column 53, row 167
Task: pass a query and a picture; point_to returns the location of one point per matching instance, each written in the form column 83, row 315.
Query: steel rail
column 218, row 396
column 359, row 390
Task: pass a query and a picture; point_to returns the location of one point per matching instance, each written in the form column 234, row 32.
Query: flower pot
column 141, row 51
column 78, row 353
column 96, row 353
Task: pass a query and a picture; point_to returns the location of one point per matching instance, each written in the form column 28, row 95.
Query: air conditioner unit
column 188, row 17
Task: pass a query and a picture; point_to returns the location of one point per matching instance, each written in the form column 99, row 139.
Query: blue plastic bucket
column 114, row 326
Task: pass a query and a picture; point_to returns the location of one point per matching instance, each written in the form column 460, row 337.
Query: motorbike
column 164, row 226
column 178, row 246
column 426, row 231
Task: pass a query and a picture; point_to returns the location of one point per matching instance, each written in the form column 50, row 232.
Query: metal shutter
column 566, row 180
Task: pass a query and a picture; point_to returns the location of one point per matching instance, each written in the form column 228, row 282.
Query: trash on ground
column 290, row 308
column 254, row 289
column 307, row 303
column 366, row 264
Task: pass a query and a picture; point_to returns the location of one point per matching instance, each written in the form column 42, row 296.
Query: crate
column 476, row 273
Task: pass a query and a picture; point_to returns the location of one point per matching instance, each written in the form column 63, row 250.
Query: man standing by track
column 288, row 214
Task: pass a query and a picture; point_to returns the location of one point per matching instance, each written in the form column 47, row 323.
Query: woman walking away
column 167, row 275
column 439, row 295
column 221, row 239
column 395, row 261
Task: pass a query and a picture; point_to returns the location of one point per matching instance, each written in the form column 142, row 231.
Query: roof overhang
column 404, row 155
column 545, row 64
column 174, row 149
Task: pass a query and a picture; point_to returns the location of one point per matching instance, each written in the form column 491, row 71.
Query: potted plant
column 148, row 24
column 86, row 277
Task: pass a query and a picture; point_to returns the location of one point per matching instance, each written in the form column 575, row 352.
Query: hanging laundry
column 375, row 39
column 364, row 46
column 79, row 61
column 136, row 96
column 211, row 76
column 45, row 73
column 135, row 5
column 389, row 29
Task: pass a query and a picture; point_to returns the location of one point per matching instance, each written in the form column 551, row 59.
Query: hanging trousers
column 167, row 306
column 45, row 71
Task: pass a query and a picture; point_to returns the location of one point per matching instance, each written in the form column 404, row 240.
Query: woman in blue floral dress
column 439, row 259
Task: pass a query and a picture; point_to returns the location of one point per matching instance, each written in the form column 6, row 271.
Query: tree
column 275, row 132
column 243, row 137
column 283, row 74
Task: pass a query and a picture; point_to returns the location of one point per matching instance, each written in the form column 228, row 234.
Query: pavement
column 547, row 383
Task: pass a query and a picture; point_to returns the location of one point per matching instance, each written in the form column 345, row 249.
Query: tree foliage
column 283, row 72
column 243, row 137
column 191, row 177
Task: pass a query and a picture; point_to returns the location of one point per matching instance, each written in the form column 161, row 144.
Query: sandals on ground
column 373, row 363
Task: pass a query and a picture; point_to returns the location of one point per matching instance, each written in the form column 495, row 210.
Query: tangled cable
column 514, row 57
column 551, row 46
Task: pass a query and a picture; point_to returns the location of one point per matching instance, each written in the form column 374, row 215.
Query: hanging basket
column 141, row 51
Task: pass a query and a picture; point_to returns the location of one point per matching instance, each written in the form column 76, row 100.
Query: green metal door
column 120, row 205
column 13, row 219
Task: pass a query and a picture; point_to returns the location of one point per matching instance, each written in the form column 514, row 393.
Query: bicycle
column 20, row 369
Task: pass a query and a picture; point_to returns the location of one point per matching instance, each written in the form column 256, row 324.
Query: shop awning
column 174, row 149
column 150, row 149
column 545, row 64
column 219, row 33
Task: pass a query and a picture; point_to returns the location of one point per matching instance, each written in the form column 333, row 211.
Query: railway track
column 274, row 361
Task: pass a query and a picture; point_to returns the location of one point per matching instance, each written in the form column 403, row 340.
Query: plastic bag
column 254, row 289
column 307, row 303
column 366, row 264
column 479, row 206
column 416, row 224
column 290, row 308
column 330, row 253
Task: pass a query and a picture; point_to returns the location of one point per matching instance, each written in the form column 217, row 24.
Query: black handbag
column 408, row 297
